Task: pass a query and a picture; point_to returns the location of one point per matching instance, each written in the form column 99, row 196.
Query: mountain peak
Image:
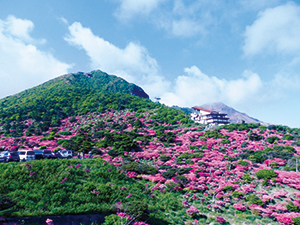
column 234, row 115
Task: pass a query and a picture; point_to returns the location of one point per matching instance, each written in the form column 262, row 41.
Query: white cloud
column 276, row 30
column 18, row 28
column 186, row 28
column 131, row 8
column 177, row 17
column 23, row 65
column 132, row 63
column 197, row 88
column 188, row 19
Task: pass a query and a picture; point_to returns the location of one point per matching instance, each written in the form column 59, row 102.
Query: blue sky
column 243, row 53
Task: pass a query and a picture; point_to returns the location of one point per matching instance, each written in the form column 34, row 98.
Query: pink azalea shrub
column 220, row 219
column 240, row 206
column 192, row 210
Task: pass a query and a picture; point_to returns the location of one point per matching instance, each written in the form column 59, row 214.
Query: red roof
column 206, row 110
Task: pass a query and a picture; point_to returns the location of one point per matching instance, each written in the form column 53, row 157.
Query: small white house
column 205, row 116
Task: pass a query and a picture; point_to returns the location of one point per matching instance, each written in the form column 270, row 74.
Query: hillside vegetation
column 151, row 164
column 70, row 95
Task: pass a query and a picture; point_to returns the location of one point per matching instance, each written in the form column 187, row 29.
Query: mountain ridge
column 95, row 79
column 234, row 115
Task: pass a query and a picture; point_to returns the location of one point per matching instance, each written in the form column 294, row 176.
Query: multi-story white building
column 205, row 116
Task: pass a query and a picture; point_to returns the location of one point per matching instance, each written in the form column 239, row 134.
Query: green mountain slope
column 68, row 95
column 78, row 83
column 71, row 95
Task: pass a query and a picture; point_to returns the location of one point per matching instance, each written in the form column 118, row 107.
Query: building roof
column 206, row 110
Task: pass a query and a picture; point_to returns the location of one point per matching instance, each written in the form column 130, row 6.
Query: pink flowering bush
column 240, row 206
column 192, row 211
column 286, row 218
column 220, row 220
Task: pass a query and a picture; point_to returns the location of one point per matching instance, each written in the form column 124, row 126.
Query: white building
column 205, row 116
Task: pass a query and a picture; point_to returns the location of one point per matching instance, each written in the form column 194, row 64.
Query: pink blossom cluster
column 192, row 210
column 240, row 206
column 286, row 218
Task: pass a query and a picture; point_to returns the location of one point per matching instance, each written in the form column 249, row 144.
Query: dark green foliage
column 278, row 151
column 187, row 155
column 283, row 129
column 137, row 209
column 190, row 162
column 297, row 143
column 140, row 168
column 6, row 202
column 288, row 137
column 138, row 124
column 82, row 142
column 244, row 144
column 120, row 142
column 237, row 194
column 296, row 220
column 272, row 139
column 240, row 126
column 169, row 173
column 230, row 159
column 225, row 141
column 113, row 219
column 61, row 187
column 253, row 199
column 256, row 157
column 214, row 134
column 255, row 137
column 166, row 137
column 182, row 180
column 157, row 218
column 247, row 178
column 243, row 163
column 227, row 188
column 265, row 174
column 292, row 208
column 65, row 133
column 113, row 153
column 133, row 166
column 171, row 116
column 181, row 171
column 164, row 158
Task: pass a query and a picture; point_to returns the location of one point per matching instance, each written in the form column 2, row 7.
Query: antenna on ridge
column 157, row 99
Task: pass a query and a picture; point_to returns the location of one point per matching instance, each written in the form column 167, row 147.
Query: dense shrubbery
column 140, row 168
column 53, row 187
column 265, row 174
column 240, row 126
column 272, row 139
column 292, row 208
column 5, row 202
column 214, row 134
column 254, row 137
column 253, row 199
column 296, row 220
column 278, row 151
